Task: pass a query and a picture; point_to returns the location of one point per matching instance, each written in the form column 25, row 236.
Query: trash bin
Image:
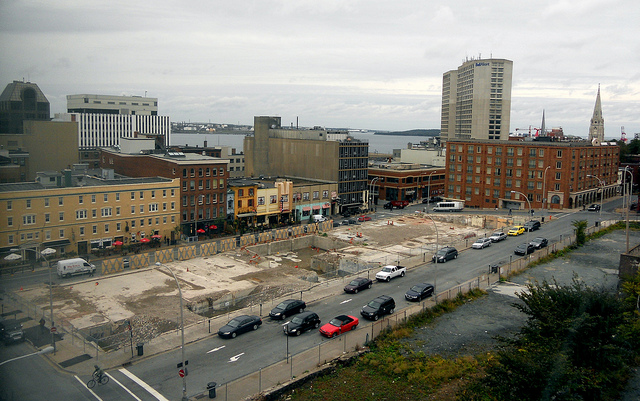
column 494, row 268
column 140, row 348
column 211, row 386
column 597, row 224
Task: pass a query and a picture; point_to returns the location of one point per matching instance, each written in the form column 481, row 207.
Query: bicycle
column 102, row 379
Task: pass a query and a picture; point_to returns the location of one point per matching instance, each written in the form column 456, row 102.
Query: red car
column 364, row 218
column 338, row 325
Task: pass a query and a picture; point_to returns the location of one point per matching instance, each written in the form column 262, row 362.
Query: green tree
column 581, row 235
column 572, row 347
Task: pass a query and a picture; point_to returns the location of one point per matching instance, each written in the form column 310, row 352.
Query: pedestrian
column 42, row 328
column 509, row 212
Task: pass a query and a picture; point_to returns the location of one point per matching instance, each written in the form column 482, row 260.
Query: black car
column 287, row 308
column 594, row 208
column 239, row 325
column 539, row 242
column 435, row 199
column 444, row 254
column 531, row 225
column 388, row 205
column 11, row 331
column 524, row 249
column 419, row 291
column 379, row 306
column 345, row 222
column 301, row 323
column 358, row 284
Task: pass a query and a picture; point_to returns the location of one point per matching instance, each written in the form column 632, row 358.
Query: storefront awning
column 326, row 206
column 306, row 209
column 60, row 242
column 247, row 214
column 316, row 207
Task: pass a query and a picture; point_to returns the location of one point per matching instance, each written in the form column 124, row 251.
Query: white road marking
column 121, row 385
column 85, row 385
column 235, row 358
column 144, row 385
column 346, row 300
column 216, row 349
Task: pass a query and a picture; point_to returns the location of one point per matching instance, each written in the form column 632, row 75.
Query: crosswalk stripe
column 85, row 386
column 121, row 385
column 144, row 385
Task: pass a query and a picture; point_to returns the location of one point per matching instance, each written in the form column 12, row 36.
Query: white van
column 448, row 206
column 69, row 267
column 318, row 218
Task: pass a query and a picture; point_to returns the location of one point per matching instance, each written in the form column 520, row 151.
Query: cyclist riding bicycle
column 97, row 373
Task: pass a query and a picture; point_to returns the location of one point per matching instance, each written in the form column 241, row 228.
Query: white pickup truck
column 390, row 271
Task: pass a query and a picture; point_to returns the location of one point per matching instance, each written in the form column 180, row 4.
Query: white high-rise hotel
column 476, row 100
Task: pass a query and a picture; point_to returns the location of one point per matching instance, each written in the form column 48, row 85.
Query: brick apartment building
column 553, row 175
column 203, row 180
column 405, row 181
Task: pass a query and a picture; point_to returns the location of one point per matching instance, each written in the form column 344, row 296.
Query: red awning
column 326, row 206
column 316, row 207
column 306, row 209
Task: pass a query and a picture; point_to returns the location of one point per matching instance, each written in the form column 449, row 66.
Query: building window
column 106, row 228
column 106, row 197
column 47, row 218
column 61, row 216
column 94, row 229
column 559, row 153
column 133, row 195
column 118, row 211
column 10, row 221
column 141, row 209
column 316, row 195
column 260, row 200
column 106, row 212
column 60, row 201
column 273, row 199
column 61, row 233
column 153, row 194
column 81, row 214
column 141, row 195
column 118, row 226
column 118, row 196
column 153, row 207
column 46, row 202
column 133, row 209
column 81, row 229
column 558, row 165
column 80, row 199
column 173, row 206
column 94, row 213
column 93, row 199
column 558, row 176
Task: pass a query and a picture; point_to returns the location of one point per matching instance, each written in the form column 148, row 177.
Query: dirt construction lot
column 147, row 296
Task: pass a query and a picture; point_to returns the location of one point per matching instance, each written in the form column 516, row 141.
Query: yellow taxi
column 516, row 230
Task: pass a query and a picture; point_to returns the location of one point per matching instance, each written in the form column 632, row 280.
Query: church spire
column 596, row 129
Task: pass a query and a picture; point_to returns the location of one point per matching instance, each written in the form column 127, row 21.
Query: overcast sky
column 336, row 63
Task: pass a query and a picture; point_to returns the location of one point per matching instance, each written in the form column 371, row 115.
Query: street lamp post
column 429, row 186
column 544, row 189
column 435, row 269
column 628, row 203
column 196, row 216
column 45, row 350
column 371, row 187
column 44, row 253
column 184, row 366
column 528, row 202
column 601, row 191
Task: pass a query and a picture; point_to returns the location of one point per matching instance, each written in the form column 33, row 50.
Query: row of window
column 105, row 198
column 202, row 184
column 27, row 236
column 202, row 172
column 81, row 214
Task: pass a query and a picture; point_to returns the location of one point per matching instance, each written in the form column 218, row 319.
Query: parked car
column 594, row 208
column 239, row 325
column 364, row 218
column 515, row 230
column 345, row 222
column 11, row 331
column 353, row 221
column 539, row 242
column 388, row 205
column 390, row 271
column 378, row 307
column 287, row 308
column 498, row 236
column 444, row 254
column 435, row 199
column 425, row 200
column 338, row 325
column 481, row 243
column 301, row 323
column 358, row 284
column 532, row 225
column 419, row 291
column 524, row 249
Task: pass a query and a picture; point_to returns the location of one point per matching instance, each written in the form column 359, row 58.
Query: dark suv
column 11, row 331
column 379, row 306
column 301, row 322
column 532, row 225
column 444, row 254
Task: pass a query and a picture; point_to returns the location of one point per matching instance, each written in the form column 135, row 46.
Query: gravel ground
column 472, row 328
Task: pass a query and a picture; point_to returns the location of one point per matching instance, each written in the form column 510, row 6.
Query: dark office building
column 22, row 101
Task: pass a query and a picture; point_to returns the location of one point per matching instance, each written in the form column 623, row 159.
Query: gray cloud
column 349, row 63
